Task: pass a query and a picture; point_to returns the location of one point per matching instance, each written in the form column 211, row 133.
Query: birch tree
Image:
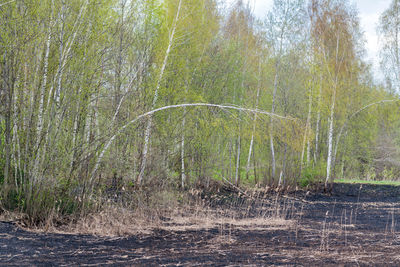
column 282, row 25
column 389, row 30
column 147, row 134
column 334, row 29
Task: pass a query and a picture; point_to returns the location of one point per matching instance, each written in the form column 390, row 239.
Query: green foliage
column 106, row 58
column 360, row 181
column 312, row 174
column 370, row 173
column 388, row 174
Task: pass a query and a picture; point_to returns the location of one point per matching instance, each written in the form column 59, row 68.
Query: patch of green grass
column 357, row 181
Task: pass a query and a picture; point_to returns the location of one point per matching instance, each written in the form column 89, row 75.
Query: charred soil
column 354, row 225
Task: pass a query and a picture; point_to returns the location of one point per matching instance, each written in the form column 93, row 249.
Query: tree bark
column 330, row 138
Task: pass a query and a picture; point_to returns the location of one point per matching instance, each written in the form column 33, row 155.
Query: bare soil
column 351, row 226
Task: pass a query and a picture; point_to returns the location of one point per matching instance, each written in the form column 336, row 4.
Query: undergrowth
column 118, row 208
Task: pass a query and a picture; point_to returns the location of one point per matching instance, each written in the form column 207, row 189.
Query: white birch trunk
column 237, row 174
column 147, row 134
column 308, row 152
column 308, row 126
column 74, row 135
column 230, row 159
column 183, row 175
column 254, row 121
column 330, row 139
column 331, row 118
column 7, row 117
column 61, row 50
column 306, row 132
column 317, row 127
column 39, row 129
column 16, row 154
column 65, row 54
column 271, row 131
column 27, row 156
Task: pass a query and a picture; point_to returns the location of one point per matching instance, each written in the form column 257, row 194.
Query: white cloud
column 369, row 13
column 261, row 7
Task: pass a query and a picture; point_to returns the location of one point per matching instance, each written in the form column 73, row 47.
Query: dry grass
column 114, row 221
column 11, row 216
column 208, row 219
column 248, row 213
column 166, row 213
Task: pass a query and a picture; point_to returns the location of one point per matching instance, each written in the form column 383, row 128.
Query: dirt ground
column 352, row 226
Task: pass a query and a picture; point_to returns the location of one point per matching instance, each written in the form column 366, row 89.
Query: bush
column 311, row 175
column 388, row 174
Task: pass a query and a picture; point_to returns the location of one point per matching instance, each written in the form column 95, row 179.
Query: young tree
column 283, row 24
column 334, row 28
column 389, row 29
column 147, row 134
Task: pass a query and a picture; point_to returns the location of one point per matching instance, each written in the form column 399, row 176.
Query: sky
column 369, row 13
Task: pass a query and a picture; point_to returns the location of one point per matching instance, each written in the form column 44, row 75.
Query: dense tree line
column 292, row 100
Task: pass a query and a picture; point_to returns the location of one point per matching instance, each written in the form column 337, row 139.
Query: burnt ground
column 352, row 226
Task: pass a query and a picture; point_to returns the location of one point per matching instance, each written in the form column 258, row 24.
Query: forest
column 136, row 103
column 201, row 124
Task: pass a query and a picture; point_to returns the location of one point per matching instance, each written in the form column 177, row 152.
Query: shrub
column 312, row 174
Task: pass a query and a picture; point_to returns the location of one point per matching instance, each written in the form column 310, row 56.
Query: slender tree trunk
column 254, row 121
column 308, row 126
column 237, row 173
column 60, row 60
column 282, row 173
column 271, row 131
column 317, row 127
column 16, row 150
column 335, row 151
column 7, row 143
column 147, row 134
column 330, row 132
column 75, row 135
column 53, row 107
column 8, row 117
column 68, row 45
column 230, row 159
column 306, row 140
column 39, row 130
column 255, row 166
column 308, row 152
column 28, row 127
column 183, row 174
column 330, row 138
